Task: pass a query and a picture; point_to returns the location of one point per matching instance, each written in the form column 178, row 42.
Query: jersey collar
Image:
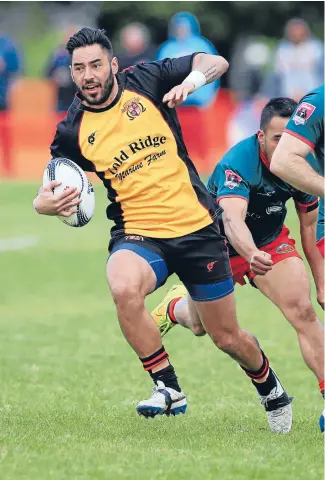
column 264, row 159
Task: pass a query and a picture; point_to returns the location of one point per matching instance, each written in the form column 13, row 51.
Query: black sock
column 261, row 372
column 265, row 388
column 167, row 376
column 151, row 362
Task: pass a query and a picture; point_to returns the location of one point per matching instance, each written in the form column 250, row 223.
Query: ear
column 114, row 65
column 260, row 137
column 71, row 72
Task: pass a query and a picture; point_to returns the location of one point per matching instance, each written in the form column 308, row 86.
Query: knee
column 300, row 313
column 126, row 296
column 225, row 341
column 198, row 330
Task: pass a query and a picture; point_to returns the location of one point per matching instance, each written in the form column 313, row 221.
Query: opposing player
column 124, row 127
column 303, row 134
column 253, row 202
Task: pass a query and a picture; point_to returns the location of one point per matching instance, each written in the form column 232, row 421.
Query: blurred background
column 274, row 49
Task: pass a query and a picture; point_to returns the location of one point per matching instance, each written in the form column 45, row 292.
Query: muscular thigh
column 135, row 264
column 127, row 271
column 287, row 284
column 218, row 315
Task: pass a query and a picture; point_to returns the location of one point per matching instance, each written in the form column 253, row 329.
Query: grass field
column 69, row 382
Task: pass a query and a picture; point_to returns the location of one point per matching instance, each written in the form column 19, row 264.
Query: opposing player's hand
column 261, row 262
column 178, row 94
column 64, row 204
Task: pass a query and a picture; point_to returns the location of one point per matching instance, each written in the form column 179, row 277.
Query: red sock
column 321, row 387
column 170, row 309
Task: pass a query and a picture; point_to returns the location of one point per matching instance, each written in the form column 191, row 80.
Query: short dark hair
column 277, row 107
column 89, row 36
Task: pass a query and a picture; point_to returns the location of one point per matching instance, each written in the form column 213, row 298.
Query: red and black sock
column 170, row 309
column 166, row 375
column 321, row 387
column 266, row 387
column 155, row 359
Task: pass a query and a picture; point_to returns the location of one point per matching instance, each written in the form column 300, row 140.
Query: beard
column 267, row 151
column 102, row 96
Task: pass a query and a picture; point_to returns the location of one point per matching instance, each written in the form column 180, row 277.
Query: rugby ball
column 71, row 175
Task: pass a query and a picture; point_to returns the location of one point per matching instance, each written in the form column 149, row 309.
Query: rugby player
column 254, row 210
column 124, row 127
column 291, row 162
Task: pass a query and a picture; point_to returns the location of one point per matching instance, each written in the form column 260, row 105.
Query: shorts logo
column 232, row 179
column 303, row 113
column 211, row 265
column 133, row 108
column 134, row 237
column 285, row 248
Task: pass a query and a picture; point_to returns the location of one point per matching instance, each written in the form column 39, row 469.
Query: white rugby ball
column 71, row 175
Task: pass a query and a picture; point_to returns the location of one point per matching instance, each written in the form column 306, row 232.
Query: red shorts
column 321, row 247
column 281, row 248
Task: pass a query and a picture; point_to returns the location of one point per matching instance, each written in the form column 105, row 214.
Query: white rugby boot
column 278, row 408
column 163, row 401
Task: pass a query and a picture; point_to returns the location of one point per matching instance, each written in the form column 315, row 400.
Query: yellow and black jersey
column 135, row 146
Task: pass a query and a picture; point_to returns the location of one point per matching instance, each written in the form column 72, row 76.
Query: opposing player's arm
column 308, row 221
column 240, row 237
column 289, row 163
column 206, row 68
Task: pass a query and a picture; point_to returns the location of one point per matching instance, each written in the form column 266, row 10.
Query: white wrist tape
column 197, row 78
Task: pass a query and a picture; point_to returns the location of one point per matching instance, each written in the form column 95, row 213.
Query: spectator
column 249, row 62
column 185, row 39
column 58, row 70
column 10, row 65
column 299, row 60
column 136, row 46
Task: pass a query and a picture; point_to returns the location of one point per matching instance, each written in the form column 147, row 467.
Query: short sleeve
column 306, row 122
column 157, row 78
column 304, row 202
column 66, row 143
column 226, row 181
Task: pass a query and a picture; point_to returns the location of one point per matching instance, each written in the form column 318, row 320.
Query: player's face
column 270, row 137
column 93, row 72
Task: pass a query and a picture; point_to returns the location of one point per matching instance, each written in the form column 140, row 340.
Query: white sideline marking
column 17, row 243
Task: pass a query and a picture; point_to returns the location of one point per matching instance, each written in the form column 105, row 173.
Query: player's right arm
column 64, row 145
column 301, row 135
column 240, row 237
column 47, row 203
column 232, row 192
column 290, row 164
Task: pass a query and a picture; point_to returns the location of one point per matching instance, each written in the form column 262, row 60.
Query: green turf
column 69, row 382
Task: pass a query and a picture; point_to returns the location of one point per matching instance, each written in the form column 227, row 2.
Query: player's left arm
column 206, row 68
column 308, row 221
column 290, row 164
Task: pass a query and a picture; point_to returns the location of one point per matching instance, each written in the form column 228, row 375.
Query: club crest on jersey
column 133, row 108
column 232, row 179
column 303, row 113
column 285, row 248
